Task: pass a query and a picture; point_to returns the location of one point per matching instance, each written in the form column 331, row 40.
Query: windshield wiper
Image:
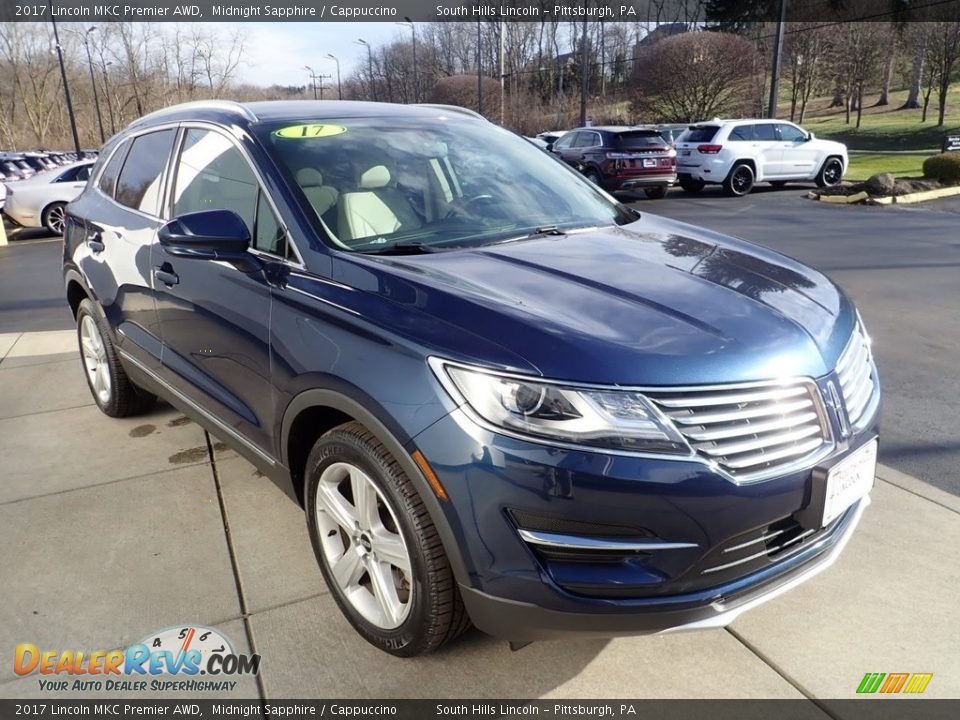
column 414, row 247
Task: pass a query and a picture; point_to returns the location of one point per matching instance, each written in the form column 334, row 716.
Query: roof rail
column 453, row 108
column 226, row 105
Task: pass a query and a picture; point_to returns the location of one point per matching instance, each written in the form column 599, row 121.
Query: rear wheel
column 377, row 547
column 739, row 181
column 657, row 192
column 114, row 392
column 831, row 173
column 692, row 186
column 55, row 217
column 593, row 176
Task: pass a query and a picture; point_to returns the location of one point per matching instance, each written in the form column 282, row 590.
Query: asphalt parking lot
column 115, row 528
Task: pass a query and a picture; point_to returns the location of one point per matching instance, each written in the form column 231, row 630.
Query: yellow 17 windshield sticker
column 309, row 131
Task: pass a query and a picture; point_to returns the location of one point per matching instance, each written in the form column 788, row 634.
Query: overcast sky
column 276, row 52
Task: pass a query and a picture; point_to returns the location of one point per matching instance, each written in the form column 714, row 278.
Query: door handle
column 166, row 275
column 95, row 242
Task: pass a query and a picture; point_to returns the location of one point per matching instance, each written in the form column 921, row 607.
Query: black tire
column 692, row 186
column 739, row 180
column 122, row 398
column 831, row 173
column 436, row 612
column 657, row 192
column 53, row 217
column 778, row 184
column 593, row 176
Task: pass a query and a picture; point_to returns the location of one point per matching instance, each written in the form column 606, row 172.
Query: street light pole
column 777, row 53
column 66, row 86
column 339, row 88
column 313, row 80
column 479, row 73
column 416, row 77
column 106, row 91
column 583, row 76
column 373, row 85
column 93, row 83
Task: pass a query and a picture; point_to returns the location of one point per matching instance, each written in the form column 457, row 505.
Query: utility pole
column 479, row 74
column 339, row 87
column 503, row 29
column 777, row 53
column 66, row 86
column 583, row 76
column 106, row 92
column 93, row 83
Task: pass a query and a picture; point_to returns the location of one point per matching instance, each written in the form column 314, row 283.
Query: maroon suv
column 621, row 158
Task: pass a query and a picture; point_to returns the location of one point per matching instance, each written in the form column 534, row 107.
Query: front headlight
column 606, row 418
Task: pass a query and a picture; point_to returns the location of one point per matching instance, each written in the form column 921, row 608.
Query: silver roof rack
column 225, row 105
column 453, row 108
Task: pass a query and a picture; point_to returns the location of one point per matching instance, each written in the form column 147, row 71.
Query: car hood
column 655, row 302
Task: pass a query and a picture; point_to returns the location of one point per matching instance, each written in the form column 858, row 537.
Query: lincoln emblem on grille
column 832, row 401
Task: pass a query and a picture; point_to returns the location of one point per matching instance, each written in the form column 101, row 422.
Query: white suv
column 739, row 153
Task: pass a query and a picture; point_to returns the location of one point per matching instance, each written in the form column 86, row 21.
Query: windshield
column 373, row 184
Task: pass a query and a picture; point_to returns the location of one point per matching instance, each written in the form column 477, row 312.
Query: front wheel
column 377, row 547
column 593, row 176
column 739, row 181
column 831, row 173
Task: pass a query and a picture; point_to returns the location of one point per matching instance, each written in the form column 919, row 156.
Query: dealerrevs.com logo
column 169, row 660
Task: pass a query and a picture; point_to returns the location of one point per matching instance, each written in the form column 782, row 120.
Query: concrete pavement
column 112, row 529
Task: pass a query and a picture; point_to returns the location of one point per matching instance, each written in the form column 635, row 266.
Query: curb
column 918, row 196
column 918, row 487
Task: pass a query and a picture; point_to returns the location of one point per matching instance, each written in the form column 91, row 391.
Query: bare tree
column 697, row 75
column 943, row 55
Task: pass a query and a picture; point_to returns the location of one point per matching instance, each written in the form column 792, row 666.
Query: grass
column 863, row 166
column 882, row 128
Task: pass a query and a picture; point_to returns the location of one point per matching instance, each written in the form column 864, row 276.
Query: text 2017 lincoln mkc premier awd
column 502, row 397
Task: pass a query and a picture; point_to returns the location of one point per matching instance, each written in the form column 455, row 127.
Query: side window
column 565, row 141
column 585, row 140
column 140, row 184
column 83, row 174
column 212, row 174
column 108, row 178
column 764, row 131
column 791, row 133
column 741, row 132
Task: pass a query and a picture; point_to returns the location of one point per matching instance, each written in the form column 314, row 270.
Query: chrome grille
column 750, row 431
column 858, row 378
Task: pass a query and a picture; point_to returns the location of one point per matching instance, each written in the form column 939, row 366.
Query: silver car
column 40, row 201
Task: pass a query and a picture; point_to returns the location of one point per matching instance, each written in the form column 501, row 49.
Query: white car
column 740, row 153
column 40, row 201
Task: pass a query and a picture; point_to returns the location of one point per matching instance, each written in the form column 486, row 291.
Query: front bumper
column 515, row 590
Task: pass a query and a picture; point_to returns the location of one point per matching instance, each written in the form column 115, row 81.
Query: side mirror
column 811, row 136
column 210, row 235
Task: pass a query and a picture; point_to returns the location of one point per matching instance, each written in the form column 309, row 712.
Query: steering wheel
column 463, row 206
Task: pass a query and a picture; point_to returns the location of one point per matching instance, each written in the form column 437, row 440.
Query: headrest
column 376, row 177
column 309, row 177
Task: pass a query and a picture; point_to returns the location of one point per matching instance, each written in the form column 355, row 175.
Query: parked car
column 501, row 396
column 539, row 142
column 551, row 136
column 740, row 153
column 15, row 167
column 40, row 201
column 671, row 132
column 621, row 158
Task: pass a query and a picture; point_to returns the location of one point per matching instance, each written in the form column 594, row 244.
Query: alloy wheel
column 57, row 219
column 362, row 545
column 95, row 359
column 832, row 172
column 742, row 180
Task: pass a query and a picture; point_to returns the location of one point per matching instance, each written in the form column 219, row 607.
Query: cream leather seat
column 321, row 197
column 376, row 208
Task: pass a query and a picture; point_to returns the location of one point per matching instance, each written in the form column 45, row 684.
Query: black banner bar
column 717, row 12
column 866, row 708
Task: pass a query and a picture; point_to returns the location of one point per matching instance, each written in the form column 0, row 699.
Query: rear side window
column 140, row 183
column 645, row 140
column 764, row 131
column 699, row 134
column 108, row 178
column 742, row 132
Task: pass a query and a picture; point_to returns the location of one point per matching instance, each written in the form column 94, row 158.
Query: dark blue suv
column 501, row 396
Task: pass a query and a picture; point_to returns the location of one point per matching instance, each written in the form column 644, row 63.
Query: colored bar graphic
column 893, row 683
